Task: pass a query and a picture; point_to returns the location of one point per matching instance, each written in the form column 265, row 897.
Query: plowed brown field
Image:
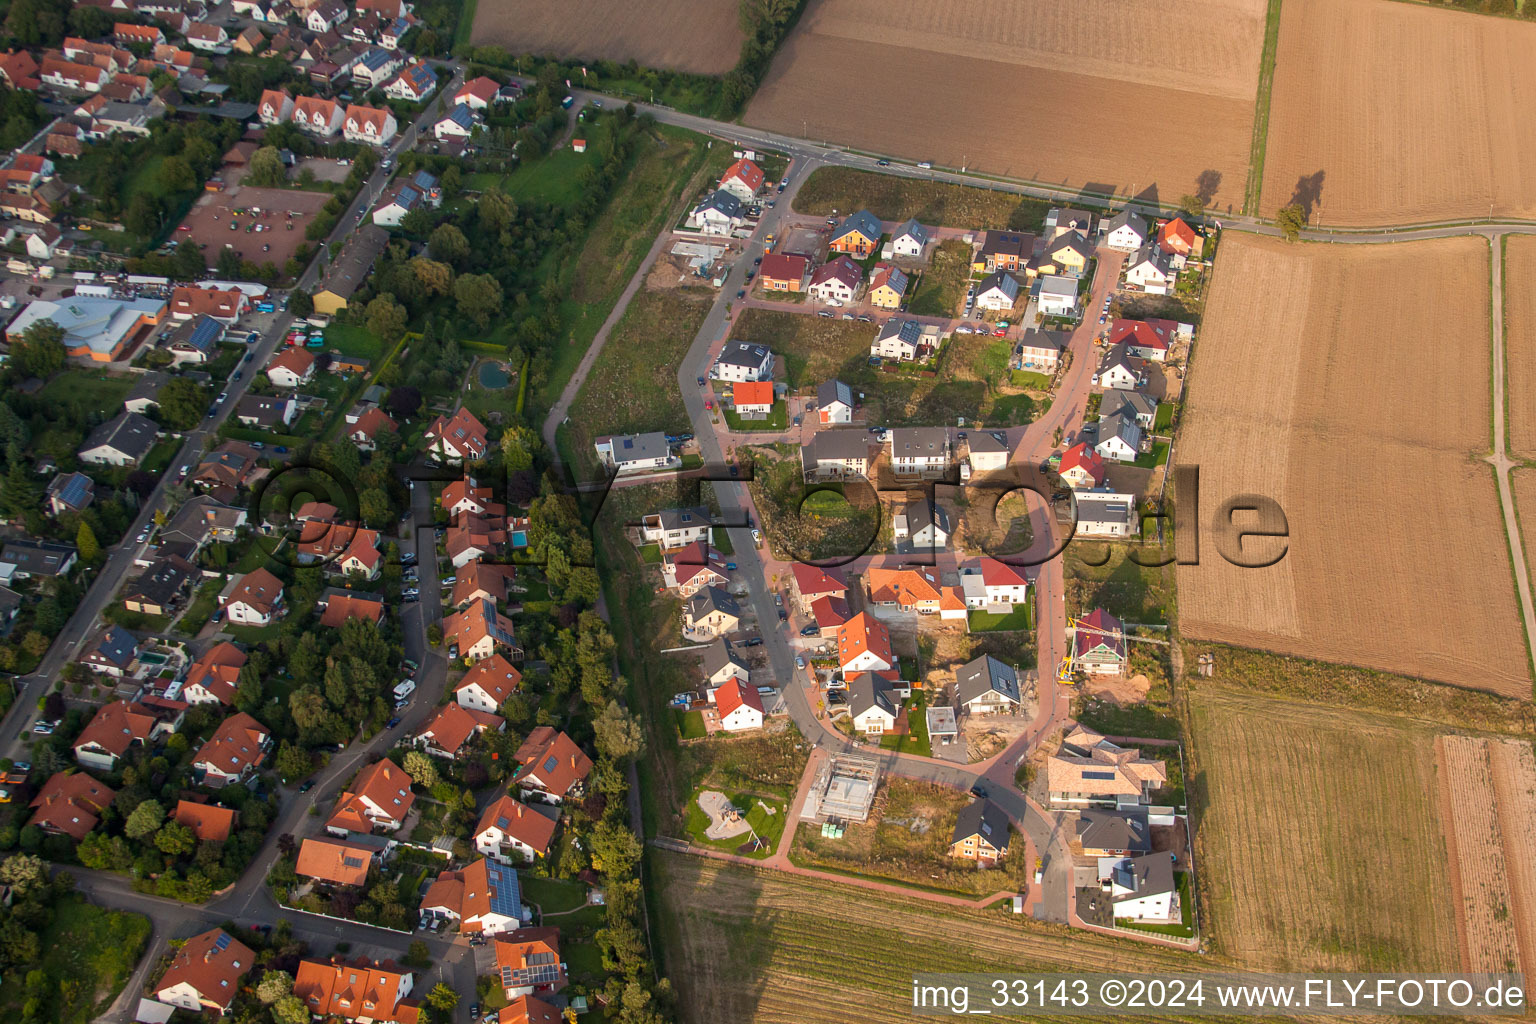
column 702, row 36
column 1520, row 345
column 1486, row 784
column 1312, row 385
column 1009, row 88
column 1408, row 113
column 1329, row 816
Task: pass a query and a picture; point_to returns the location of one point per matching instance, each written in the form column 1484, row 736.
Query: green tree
column 143, row 216
column 273, row 986
column 293, row 763
column 420, row 768
column 266, row 169
column 478, row 297
column 85, row 543
column 1290, row 220
column 375, row 507
column 447, row 243
column 519, row 445
column 618, row 733
column 176, row 175
column 386, row 318
column 1191, row 204
column 24, row 873
column 615, row 850
column 145, row 820
column 301, row 303
column 41, row 351
column 175, row 839
column 19, row 494
column 496, row 211
column 290, row 1009
column 435, row 278
column 442, row 998
column 182, row 403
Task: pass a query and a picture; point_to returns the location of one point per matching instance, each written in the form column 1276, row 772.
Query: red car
column 1001, row 332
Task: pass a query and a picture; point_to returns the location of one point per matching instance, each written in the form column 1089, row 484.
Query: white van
column 405, row 689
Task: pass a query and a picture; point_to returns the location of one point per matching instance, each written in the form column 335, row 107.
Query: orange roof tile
column 211, row 964
column 553, row 759
column 70, row 803
column 211, row 823
column 334, row 860
column 495, row 675
column 518, row 821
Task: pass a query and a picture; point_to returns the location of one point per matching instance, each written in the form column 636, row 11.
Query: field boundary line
column 1261, row 101
column 1452, row 853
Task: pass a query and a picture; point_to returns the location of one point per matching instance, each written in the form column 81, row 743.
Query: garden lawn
column 553, row 895
column 1022, row 617
column 690, row 724
column 92, row 388
column 351, row 340
column 778, row 419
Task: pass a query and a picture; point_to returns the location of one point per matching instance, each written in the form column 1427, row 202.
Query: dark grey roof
column 863, row 222
column 867, row 690
column 192, row 521
column 744, row 353
column 1070, row 240
column 919, row 442
column 1000, row 279
column 264, row 409
column 911, row 227
column 640, row 447
column 127, row 432
column 723, row 201
column 922, row 512
column 1147, row 875
column 160, row 582
column 988, row 441
column 1119, row 354
column 118, row 646
column 10, row 601
column 73, row 489
column 1150, row 252
column 147, row 386
column 712, row 599
column 982, row 818
column 909, row 331
column 829, row 391
column 1123, row 829
column 836, row 446
column 1066, row 215
column 717, row 656
column 1103, row 506
column 202, row 334
column 1123, row 425
column 1139, row 405
column 1127, row 217
column 349, row 270
column 684, row 518
column 38, row 557
column 975, row 678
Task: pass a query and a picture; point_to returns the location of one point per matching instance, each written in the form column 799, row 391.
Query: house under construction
column 844, row 789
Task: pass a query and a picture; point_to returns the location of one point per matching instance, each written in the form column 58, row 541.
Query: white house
column 1057, row 295
column 919, row 451
column 986, row 686
column 676, row 527
column 924, row 523
column 276, row 106
column 870, row 704
column 511, row 830
column 1104, row 512
column 483, row 897
column 987, row 451
column 205, row 973
column 1150, row 269
column 1119, row 369
column 458, row 124
column 1002, row 584
column 836, row 282
column 369, row 125
column 1142, row 888
column 743, row 361
column 291, row 367
column 719, row 214
column 1126, row 231
column 255, row 600
column 377, row 67
column 1119, row 438
column 635, row 453
column 721, row 665
column 739, row 706
column 864, row 645
column 487, row 684
column 42, row 243
column 834, row 402
column 742, row 179
column 317, row 116
column 998, row 292
column 325, row 15
column 909, row 240
column 898, row 339
column 413, row 84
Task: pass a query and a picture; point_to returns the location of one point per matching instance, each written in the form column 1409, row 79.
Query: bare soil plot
column 999, row 88
column 1397, row 113
column 1488, row 789
column 1333, row 804
column 767, row 947
column 701, row 36
column 285, row 213
column 1520, row 344
column 1377, row 472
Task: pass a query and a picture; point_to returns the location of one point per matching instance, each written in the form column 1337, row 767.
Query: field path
column 1500, row 459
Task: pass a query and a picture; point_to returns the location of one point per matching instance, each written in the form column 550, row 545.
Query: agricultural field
column 1010, row 69
column 1331, row 803
column 1486, row 796
column 700, row 36
column 1520, row 345
column 745, row 945
column 1396, row 113
column 891, row 197
column 1286, row 400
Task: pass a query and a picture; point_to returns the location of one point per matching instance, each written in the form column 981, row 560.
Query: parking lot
column 284, row 216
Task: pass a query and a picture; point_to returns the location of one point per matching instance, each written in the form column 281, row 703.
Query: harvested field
column 1280, row 782
column 1282, row 397
column 982, row 87
column 1475, row 837
column 1520, row 347
column 701, row 36
column 1399, row 113
column 761, row 946
column 1514, row 783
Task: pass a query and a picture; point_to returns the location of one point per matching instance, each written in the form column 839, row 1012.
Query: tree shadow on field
column 1207, row 183
column 1309, row 192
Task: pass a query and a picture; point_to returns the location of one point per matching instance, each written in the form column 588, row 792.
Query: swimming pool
column 492, row 375
column 519, row 539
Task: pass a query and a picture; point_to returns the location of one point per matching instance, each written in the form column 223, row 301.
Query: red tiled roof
column 334, row 860
column 297, row 360
column 339, row 608
column 481, row 88
column 454, row 724
column 211, row 823
column 477, row 577
column 211, row 964
column 518, row 821
column 1001, row 574
column 495, row 675
column 528, row 1010
column 1080, row 456
column 235, row 745
column 755, row 392
column 829, row 611
column 352, row 989
column 70, row 803
column 216, row 302
column 813, row 582
column 1151, row 334
column 259, row 589
column 554, row 758
column 116, row 726
column 461, row 431
column 371, row 423
column 750, row 174
column 1176, row 236
column 733, row 694
column 781, row 267
column 863, row 633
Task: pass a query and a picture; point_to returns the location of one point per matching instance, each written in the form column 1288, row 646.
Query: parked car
column 810, row 630
column 306, row 785
column 741, row 293
column 757, row 538
column 392, row 723
column 979, row 792
column 882, row 163
column 702, row 382
column 45, row 728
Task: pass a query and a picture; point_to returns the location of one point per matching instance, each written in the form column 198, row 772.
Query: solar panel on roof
column 222, row 942
column 1099, row 776
column 551, row 764
column 352, row 862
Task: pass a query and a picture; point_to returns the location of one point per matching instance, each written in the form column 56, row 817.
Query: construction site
column 844, row 789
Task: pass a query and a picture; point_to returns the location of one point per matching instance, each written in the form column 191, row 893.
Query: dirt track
column 701, row 36
column 1310, row 387
column 1002, row 88
column 1408, row 113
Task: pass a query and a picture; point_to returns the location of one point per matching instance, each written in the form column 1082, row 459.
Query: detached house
column 711, row 612
column 458, row 438
column 479, row 631
column 552, row 766
column 836, row 455
column 911, row 590
column 413, row 85
column 484, row 898
column 834, row 403
column 924, row 524
column 739, row 706
column 119, row 725
column 859, row 235
column 743, row 361
column 809, row 583
column 453, row 727
column 113, row 653
column 70, row 804
column 1120, row 437
column 1177, row 238
column 1002, row 250
column 908, row 241
column 457, row 125
column 1149, row 269
column 998, row 292
column 719, row 214
column 986, row 686
column 693, row 567
column 899, row 339
column 722, row 664
column 888, row 286
column 783, row 273
column 205, row 972
column 123, row 440
column 510, row 830
column 870, row 703
column 836, row 282
column 1120, row 370
column 1126, row 231
column 477, row 93
column 1089, row 770
column 377, row 67
column 921, row 451
column 981, row 834
column 255, row 600
column 1098, row 645
column 1057, row 295
column 236, row 749
column 1145, row 339
column 864, row 645
column 1081, row 467
column 743, row 179
column 635, row 453
column 379, row 798
column 326, row 15
column 291, row 367
column 676, row 527
column 529, row 963
column 214, row 677
column 1142, row 888
column 487, row 684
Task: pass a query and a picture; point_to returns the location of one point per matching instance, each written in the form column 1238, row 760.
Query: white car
column 757, row 537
